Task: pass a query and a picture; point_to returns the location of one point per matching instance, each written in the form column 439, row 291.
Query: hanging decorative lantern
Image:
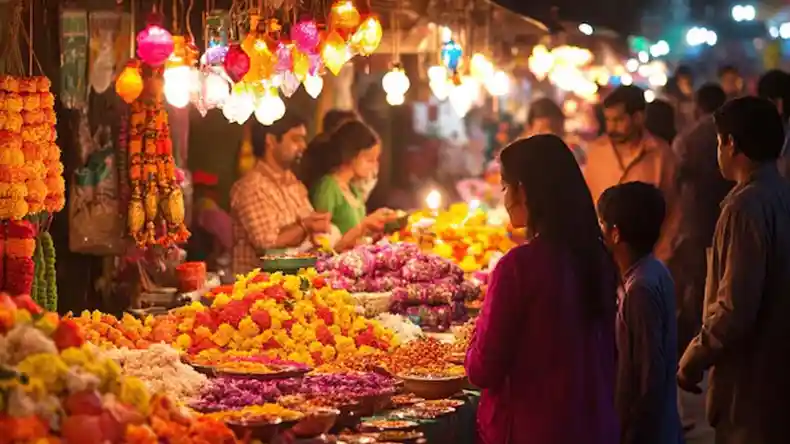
column 237, row 63
column 305, row 36
column 437, row 73
column 440, row 89
column 285, row 59
column 451, row 55
column 301, row 64
column 498, row 84
column 216, row 90
column 270, row 107
column 154, row 43
column 177, row 85
column 262, row 61
column 316, row 64
column 368, row 36
column 344, row 15
column 289, row 83
column 335, row 52
column 129, row 84
column 396, row 82
column 313, row 85
column 239, row 106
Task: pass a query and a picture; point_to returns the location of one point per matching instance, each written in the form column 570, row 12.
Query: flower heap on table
column 55, row 389
column 291, row 318
column 428, row 289
column 460, row 234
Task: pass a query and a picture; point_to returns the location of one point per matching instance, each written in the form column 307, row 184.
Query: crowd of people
column 660, row 258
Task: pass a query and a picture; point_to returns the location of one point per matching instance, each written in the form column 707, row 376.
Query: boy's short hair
column 637, row 210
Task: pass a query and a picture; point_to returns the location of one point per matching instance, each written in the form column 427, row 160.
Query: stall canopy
column 623, row 17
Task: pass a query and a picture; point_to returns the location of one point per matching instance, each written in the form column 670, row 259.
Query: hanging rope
column 11, row 52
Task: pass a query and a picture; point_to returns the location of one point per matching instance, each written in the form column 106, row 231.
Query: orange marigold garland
column 20, row 244
column 156, row 199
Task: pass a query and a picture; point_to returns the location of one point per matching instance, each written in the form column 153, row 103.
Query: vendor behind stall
column 212, row 236
column 269, row 205
column 351, row 153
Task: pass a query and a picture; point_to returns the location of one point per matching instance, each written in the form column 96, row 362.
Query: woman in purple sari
column 544, row 347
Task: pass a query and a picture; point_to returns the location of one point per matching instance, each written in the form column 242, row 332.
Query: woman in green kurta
column 351, row 153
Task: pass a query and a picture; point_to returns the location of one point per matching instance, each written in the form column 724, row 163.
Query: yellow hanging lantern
column 344, row 15
column 301, row 67
column 368, row 36
column 129, row 84
column 334, row 53
column 262, row 60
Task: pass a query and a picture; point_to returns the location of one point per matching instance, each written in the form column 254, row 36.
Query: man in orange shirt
column 628, row 153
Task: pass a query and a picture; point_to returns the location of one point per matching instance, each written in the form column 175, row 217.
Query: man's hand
column 317, row 222
column 688, row 380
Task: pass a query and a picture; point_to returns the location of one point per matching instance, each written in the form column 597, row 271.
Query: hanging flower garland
column 156, row 208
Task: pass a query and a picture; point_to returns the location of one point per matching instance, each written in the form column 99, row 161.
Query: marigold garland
column 31, row 173
column 152, row 171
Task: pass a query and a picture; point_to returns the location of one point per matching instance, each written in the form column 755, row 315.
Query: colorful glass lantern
column 305, row 36
column 396, row 82
column 154, row 44
column 285, row 58
column 313, row 85
column 129, row 84
column 178, row 82
column 344, row 15
column 368, row 36
column 451, row 55
column 237, row 63
column 289, row 84
column 334, row 53
column 270, row 107
column 301, row 65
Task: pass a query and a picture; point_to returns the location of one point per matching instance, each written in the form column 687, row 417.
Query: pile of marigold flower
column 291, row 318
column 56, row 389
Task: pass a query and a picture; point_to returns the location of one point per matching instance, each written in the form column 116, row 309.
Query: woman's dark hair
column 560, row 209
column 338, row 148
column 336, row 117
column 660, row 120
column 546, row 108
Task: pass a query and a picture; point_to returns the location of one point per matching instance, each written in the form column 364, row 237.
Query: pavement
column 693, row 408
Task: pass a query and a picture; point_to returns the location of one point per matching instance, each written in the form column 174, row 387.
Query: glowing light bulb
column 433, row 200
column 216, row 89
column 499, row 84
column 313, row 85
column 270, row 108
column 440, row 89
column 437, row 73
column 460, row 100
column 396, row 99
column 396, row 82
column 239, row 106
column 178, row 82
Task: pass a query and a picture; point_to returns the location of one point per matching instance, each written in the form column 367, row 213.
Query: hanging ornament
column 305, row 36
column 270, row 107
column 289, row 83
column 313, row 85
column 437, row 73
column 368, row 36
column 154, row 43
column 344, row 15
column 335, row 52
column 129, row 84
column 285, row 59
column 396, row 82
column 451, row 55
column 239, row 106
column 215, row 54
column 301, row 64
column 237, row 63
column 262, row 61
column 316, row 64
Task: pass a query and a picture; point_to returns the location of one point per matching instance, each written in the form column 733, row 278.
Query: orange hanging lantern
column 368, row 36
column 129, row 84
column 344, row 15
column 334, row 53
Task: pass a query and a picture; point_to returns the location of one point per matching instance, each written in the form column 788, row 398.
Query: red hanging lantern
column 237, row 63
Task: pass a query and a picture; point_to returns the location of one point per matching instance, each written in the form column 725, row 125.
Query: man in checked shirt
column 269, row 205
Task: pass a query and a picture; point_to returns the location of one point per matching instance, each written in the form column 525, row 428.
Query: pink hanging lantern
column 316, row 64
column 305, row 36
column 237, row 63
column 284, row 55
column 154, row 43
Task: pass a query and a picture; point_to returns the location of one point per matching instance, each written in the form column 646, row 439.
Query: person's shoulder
column 651, row 278
column 325, row 184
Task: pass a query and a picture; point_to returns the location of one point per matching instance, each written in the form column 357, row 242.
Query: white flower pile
column 404, row 329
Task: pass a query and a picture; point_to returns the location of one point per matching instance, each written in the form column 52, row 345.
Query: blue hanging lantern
column 451, row 55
